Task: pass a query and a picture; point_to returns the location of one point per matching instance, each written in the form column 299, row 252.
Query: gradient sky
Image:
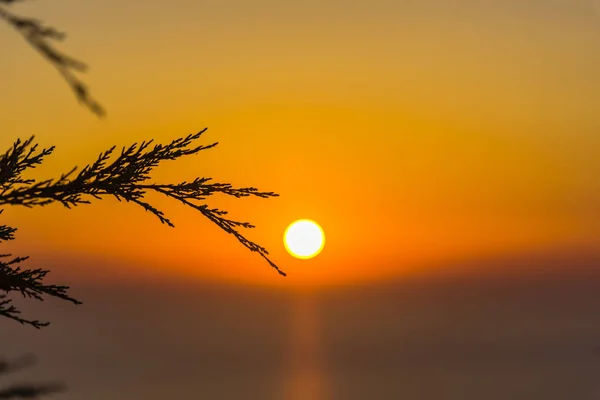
column 414, row 132
column 425, row 136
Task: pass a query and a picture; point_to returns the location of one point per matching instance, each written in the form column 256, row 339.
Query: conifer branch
column 42, row 38
column 126, row 178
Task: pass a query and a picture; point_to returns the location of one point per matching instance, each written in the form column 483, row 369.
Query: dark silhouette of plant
column 125, row 178
column 25, row 391
column 42, row 38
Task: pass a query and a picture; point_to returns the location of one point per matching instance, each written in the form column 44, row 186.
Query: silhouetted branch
column 125, row 178
column 27, row 282
column 25, row 391
column 41, row 38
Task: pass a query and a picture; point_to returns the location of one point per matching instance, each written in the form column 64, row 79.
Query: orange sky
column 415, row 134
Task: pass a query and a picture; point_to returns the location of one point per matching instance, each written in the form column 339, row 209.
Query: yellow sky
column 413, row 132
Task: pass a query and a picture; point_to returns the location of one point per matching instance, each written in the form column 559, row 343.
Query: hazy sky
column 425, row 136
column 414, row 132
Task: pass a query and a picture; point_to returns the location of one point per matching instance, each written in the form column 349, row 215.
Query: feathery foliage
column 42, row 38
column 125, row 178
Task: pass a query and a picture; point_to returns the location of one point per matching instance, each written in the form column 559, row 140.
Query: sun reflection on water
column 307, row 379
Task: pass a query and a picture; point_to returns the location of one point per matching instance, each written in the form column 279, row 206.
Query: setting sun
column 304, row 239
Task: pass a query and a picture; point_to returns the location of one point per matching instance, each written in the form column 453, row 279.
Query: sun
column 304, row 238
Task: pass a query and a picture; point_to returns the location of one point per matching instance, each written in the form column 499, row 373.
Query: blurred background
column 449, row 151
